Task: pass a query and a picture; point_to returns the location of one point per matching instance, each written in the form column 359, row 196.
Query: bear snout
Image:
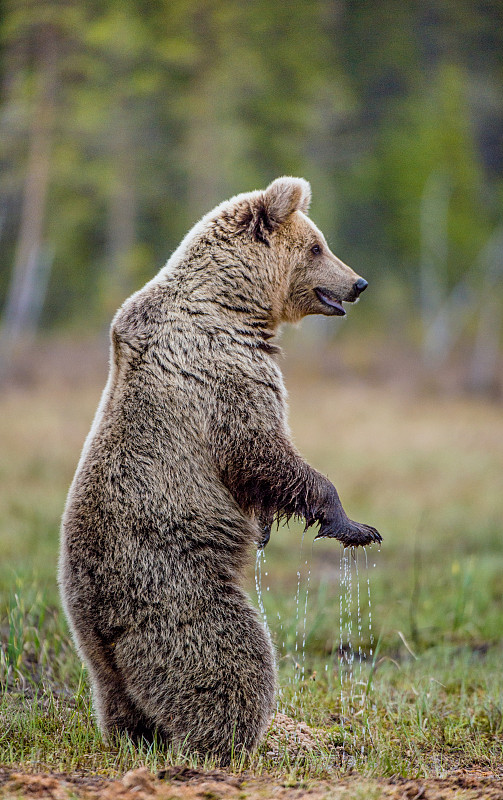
column 332, row 301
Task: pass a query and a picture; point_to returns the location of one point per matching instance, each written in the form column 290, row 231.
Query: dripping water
column 305, row 622
column 371, row 633
column 359, row 618
column 297, row 602
column 258, row 586
column 351, row 642
column 345, row 659
column 349, row 619
column 299, row 660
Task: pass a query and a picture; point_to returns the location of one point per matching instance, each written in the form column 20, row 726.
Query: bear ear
column 284, row 196
column 265, row 211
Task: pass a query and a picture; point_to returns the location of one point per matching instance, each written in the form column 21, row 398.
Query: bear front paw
column 351, row 534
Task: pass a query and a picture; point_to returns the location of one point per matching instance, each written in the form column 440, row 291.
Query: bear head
column 306, row 277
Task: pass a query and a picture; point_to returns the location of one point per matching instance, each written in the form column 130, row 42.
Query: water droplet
column 258, row 587
column 305, row 624
column 297, row 599
column 359, row 612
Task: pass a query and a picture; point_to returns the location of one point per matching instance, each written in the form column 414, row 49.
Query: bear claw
column 353, row 534
column 266, row 535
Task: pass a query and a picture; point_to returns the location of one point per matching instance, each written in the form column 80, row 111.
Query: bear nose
column 360, row 285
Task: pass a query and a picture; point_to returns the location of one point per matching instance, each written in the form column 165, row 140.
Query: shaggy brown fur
column 187, row 462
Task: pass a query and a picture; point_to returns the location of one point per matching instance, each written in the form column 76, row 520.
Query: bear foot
column 350, row 534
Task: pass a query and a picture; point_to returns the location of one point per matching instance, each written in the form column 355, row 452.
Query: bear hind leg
column 118, row 714
column 116, row 711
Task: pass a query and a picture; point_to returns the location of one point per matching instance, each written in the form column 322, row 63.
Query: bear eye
column 316, row 249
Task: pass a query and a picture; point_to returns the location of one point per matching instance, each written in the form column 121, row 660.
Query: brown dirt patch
column 182, row 783
column 297, row 738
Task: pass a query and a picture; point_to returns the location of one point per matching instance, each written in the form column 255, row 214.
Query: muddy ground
column 182, row 783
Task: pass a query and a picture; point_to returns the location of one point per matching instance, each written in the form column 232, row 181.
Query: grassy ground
column 393, row 658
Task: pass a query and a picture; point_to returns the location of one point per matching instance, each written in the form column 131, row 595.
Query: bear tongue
column 330, row 301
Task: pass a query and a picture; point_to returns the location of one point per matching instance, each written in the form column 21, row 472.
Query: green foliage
column 162, row 109
column 430, row 136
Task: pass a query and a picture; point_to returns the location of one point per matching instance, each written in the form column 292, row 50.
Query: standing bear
column 187, row 463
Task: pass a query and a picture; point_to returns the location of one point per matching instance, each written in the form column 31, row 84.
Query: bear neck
column 233, row 292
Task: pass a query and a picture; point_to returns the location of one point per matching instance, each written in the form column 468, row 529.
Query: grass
column 408, row 684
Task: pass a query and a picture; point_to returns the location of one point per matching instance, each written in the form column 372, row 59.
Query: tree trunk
column 122, row 210
column 433, row 268
column 29, row 273
column 485, row 360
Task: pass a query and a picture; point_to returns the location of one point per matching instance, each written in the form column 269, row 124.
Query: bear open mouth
column 328, row 299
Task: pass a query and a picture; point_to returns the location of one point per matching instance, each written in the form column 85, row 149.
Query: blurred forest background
column 122, row 121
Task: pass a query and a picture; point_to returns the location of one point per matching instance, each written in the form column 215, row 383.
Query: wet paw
column 350, row 534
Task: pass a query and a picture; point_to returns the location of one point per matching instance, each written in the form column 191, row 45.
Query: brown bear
column 187, row 462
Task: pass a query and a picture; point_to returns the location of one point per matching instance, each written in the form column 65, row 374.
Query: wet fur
column 188, row 461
